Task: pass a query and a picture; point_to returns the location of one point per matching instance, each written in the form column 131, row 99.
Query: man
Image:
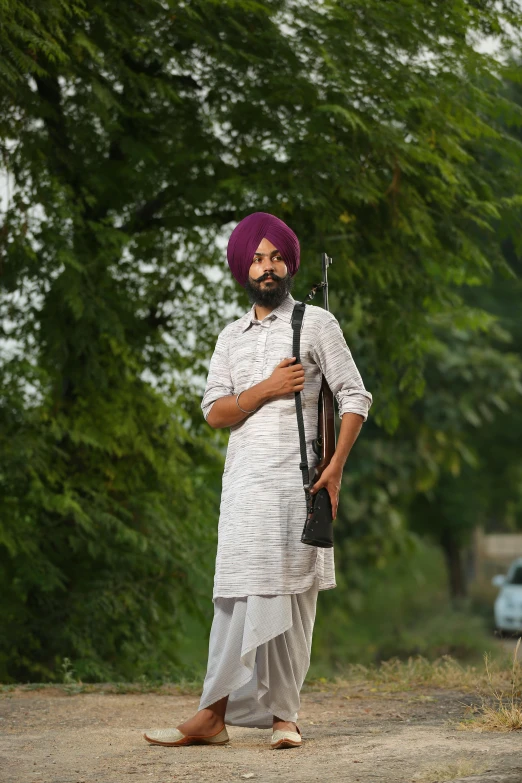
column 266, row 580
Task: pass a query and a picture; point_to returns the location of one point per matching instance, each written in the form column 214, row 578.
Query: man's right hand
column 286, row 378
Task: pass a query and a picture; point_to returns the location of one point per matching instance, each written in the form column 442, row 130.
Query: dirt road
column 48, row 736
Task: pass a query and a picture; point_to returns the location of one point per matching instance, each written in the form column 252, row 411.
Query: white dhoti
column 259, row 654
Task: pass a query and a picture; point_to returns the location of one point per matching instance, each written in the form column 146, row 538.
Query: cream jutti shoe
column 174, row 738
column 283, row 738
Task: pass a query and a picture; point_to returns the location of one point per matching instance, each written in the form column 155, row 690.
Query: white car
column 508, row 604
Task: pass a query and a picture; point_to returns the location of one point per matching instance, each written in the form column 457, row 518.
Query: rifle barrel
column 326, row 261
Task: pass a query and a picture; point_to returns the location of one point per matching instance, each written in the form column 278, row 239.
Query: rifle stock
column 325, row 443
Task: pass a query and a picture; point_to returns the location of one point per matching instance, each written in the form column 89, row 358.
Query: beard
column 268, row 295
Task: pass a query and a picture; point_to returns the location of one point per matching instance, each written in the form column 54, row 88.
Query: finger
column 286, row 362
column 298, row 388
column 333, row 498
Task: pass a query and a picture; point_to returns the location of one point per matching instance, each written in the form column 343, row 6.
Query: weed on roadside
column 397, row 675
column 440, row 773
column 505, row 713
column 184, row 686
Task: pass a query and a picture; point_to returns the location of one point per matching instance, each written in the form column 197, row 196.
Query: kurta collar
column 284, row 311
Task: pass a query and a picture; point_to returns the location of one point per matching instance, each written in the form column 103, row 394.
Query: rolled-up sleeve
column 334, row 358
column 219, row 381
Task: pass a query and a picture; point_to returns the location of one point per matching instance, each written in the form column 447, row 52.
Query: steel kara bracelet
column 239, row 406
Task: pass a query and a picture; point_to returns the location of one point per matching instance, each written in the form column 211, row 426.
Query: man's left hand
column 331, row 479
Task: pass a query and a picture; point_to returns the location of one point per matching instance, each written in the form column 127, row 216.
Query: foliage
column 131, row 134
column 401, row 609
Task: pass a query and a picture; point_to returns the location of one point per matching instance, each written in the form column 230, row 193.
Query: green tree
column 472, row 427
column 131, row 134
column 472, row 415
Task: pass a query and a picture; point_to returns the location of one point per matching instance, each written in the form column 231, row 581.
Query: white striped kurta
column 263, row 505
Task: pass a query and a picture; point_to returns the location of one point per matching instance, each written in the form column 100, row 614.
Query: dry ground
column 351, row 733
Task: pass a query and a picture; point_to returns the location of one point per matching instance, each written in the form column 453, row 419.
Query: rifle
column 324, row 444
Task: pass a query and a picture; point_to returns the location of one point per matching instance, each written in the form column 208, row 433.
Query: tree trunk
column 454, row 564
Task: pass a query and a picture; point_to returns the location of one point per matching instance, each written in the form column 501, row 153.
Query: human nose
column 267, row 263
column 268, row 267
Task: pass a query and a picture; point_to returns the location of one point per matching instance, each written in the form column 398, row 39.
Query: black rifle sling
column 297, row 321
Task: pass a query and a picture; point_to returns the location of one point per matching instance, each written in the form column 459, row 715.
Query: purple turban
column 246, row 237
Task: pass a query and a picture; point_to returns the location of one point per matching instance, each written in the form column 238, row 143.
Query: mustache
column 268, row 276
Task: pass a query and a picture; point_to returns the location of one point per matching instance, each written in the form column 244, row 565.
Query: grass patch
column 393, row 676
column 182, row 687
column 460, row 768
column 501, row 707
column 418, row 673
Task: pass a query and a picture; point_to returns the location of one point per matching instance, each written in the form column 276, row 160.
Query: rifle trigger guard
column 317, row 446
